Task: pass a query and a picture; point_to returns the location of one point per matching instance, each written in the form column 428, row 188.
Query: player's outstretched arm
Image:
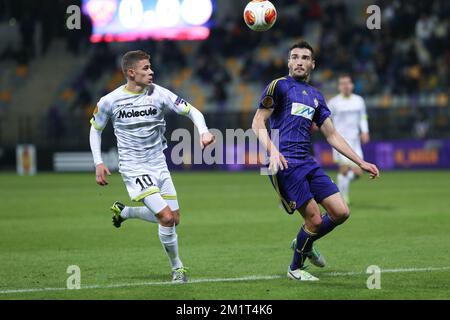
column 337, row 142
column 95, row 141
column 277, row 160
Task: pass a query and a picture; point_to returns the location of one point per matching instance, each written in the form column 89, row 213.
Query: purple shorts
column 302, row 182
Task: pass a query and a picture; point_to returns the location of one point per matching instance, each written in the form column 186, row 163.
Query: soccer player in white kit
column 136, row 112
column 348, row 112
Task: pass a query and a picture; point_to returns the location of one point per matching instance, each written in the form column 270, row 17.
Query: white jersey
column 139, row 125
column 349, row 116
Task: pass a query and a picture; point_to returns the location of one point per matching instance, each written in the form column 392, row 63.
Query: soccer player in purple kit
column 291, row 105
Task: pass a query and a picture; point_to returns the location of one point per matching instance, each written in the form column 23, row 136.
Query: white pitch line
column 249, row 278
column 353, row 273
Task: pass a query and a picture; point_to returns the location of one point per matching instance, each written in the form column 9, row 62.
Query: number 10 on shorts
column 144, row 182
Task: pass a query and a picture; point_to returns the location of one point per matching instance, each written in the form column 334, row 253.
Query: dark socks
column 305, row 240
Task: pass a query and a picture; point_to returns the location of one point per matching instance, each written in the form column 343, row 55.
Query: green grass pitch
column 233, row 237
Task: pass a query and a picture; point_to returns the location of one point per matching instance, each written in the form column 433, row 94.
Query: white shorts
column 156, row 181
column 343, row 160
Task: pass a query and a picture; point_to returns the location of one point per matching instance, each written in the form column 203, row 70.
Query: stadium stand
column 401, row 70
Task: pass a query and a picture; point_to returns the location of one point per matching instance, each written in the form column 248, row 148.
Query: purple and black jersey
column 296, row 106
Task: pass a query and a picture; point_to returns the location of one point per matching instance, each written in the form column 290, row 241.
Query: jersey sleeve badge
column 267, row 102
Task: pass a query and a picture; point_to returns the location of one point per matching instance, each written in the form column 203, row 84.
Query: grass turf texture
column 231, row 227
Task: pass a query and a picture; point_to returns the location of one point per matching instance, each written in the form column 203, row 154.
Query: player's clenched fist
column 206, row 139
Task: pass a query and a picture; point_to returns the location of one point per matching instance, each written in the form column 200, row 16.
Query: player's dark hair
column 130, row 58
column 302, row 45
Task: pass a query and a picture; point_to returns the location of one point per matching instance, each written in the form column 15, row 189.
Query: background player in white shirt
column 136, row 111
column 348, row 112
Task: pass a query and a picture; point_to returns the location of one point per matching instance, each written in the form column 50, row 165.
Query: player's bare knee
column 341, row 215
column 167, row 220
column 176, row 217
column 166, row 217
column 339, row 211
column 313, row 222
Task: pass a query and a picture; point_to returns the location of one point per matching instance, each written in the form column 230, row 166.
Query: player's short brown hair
column 130, row 58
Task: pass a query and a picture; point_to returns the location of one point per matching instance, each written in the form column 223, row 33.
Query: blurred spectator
column 55, row 126
column 220, row 80
column 425, row 27
column 421, row 126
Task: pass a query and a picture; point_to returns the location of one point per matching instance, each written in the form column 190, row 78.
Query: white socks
column 169, row 240
column 142, row 213
column 350, row 175
column 343, row 183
